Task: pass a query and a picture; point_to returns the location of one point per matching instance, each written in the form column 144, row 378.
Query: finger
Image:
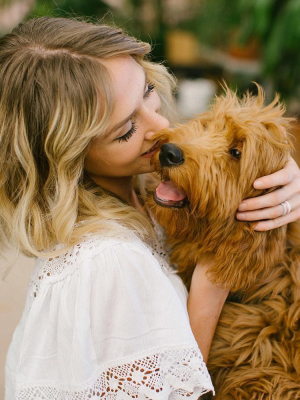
column 268, row 213
column 277, row 222
column 279, row 178
column 271, row 199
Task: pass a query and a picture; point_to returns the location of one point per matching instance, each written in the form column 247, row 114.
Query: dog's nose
column 170, row 155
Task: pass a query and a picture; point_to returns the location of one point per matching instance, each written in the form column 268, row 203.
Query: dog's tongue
column 168, row 191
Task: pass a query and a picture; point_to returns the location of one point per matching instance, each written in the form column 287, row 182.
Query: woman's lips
column 150, row 152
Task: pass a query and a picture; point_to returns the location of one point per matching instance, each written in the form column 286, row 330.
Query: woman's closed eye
column 128, row 134
column 149, row 89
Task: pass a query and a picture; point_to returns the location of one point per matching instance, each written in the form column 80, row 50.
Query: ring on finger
column 286, row 207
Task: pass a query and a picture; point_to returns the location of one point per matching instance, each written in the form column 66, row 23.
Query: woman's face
column 123, row 151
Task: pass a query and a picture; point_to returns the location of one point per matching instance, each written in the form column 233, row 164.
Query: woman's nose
column 157, row 122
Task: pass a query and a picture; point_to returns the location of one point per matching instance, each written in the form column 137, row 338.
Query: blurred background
column 202, row 42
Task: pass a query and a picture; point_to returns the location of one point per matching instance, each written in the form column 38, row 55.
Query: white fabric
column 107, row 320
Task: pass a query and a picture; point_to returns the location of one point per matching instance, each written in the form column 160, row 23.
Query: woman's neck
column 122, row 188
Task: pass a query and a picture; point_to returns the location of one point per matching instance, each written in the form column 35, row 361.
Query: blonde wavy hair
column 55, row 97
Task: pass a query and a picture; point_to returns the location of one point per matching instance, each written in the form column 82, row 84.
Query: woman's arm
column 268, row 207
column 205, row 303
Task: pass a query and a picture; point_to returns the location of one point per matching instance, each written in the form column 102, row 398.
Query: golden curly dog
column 208, row 167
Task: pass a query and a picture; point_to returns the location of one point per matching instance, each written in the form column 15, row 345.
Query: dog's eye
column 235, row 153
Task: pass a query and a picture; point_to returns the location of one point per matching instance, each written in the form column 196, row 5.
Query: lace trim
column 171, row 374
column 68, row 262
column 160, row 251
column 65, row 263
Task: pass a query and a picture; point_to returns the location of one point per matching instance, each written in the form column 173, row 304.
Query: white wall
column 12, row 300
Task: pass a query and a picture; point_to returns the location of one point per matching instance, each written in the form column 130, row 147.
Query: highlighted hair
column 55, row 97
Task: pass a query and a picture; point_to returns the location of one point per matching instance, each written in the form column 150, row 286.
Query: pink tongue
column 168, row 191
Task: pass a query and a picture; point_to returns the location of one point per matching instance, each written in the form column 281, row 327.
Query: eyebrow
column 121, row 123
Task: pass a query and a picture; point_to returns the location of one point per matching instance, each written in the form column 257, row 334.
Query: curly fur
column 255, row 353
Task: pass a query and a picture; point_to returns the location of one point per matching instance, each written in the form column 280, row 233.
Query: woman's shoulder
column 84, row 254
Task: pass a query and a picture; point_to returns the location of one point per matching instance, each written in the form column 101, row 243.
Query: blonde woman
column 105, row 315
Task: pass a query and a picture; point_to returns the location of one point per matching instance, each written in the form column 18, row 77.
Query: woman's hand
column 268, row 207
column 205, row 303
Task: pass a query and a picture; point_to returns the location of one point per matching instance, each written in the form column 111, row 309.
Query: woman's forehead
column 125, row 74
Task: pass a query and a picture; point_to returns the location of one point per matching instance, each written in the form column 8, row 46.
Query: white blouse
column 107, row 320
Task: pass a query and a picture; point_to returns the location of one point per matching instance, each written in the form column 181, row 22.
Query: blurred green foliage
column 5, row 2
column 275, row 24
column 68, row 8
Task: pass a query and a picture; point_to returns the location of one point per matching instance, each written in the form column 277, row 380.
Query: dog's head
column 208, row 167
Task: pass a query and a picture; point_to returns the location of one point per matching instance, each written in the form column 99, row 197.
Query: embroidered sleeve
column 171, row 374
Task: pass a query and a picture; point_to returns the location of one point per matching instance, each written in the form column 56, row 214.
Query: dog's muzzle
column 167, row 194
column 170, row 155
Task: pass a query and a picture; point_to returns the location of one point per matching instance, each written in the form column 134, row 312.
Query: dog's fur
column 256, row 349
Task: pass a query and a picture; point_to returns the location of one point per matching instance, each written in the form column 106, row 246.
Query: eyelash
column 133, row 128
column 128, row 134
column 150, row 89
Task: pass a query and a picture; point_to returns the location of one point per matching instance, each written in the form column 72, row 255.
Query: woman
column 105, row 316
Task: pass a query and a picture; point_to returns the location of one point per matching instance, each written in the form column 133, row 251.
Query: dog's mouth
column 169, row 195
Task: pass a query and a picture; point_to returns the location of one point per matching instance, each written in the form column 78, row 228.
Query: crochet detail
column 62, row 264
column 88, row 248
column 171, row 374
column 159, row 249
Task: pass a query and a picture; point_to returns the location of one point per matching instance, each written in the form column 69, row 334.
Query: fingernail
column 243, row 207
column 258, row 184
column 240, row 216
